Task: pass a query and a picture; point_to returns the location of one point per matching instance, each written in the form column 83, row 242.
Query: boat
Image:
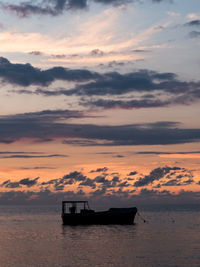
column 73, row 214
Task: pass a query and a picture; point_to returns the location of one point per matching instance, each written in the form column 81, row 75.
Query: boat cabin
column 73, row 207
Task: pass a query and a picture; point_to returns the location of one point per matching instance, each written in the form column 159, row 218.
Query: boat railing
column 73, row 207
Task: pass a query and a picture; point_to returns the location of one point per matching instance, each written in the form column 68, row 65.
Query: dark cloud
column 99, row 192
column 37, row 168
column 76, row 4
column 88, row 182
column 176, row 176
column 68, row 179
column 97, row 52
column 26, row 74
column 59, row 56
column 130, row 104
column 104, row 183
column 177, row 182
column 152, row 193
column 23, row 182
column 102, row 180
column 124, row 184
column 59, row 187
column 155, row 175
column 9, row 184
column 114, row 83
column 46, row 126
column 99, row 199
column 78, row 176
column 42, row 117
column 137, row 135
column 28, row 182
column 76, row 142
column 115, row 180
column 116, row 2
column 18, row 152
column 43, row 197
column 50, row 182
column 142, row 81
column 114, row 189
column 25, row 9
column 167, row 153
column 104, row 84
column 193, row 23
column 36, row 53
column 113, row 64
column 32, row 156
column 140, row 51
column 57, row 7
column 132, row 173
column 194, row 34
column 119, row 156
column 104, row 169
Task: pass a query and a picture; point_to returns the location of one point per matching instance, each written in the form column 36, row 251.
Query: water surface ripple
column 35, row 236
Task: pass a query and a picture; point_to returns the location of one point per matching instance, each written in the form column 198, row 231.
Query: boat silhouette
column 72, row 214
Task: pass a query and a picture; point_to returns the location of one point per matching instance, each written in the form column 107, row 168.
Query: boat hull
column 112, row 216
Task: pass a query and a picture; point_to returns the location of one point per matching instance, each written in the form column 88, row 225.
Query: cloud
column 104, row 169
column 194, row 34
column 59, row 187
column 46, row 126
column 100, row 199
column 80, row 180
column 88, row 182
column 102, row 180
column 38, row 168
column 57, row 7
column 18, row 152
column 26, row 74
column 25, row 9
column 45, row 115
column 87, row 83
column 167, row 153
column 76, row 176
column 137, row 135
column 124, row 184
column 42, row 197
column 130, row 104
column 103, row 188
column 9, row 184
column 155, row 175
column 114, row 83
column 118, row 156
column 36, row 53
column 71, row 178
column 32, row 156
column 177, row 182
column 28, row 182
column 132, row 173
column 193, row 23
column 97, row 52
column 109, row 84
column 50, row 182
column 23, row 182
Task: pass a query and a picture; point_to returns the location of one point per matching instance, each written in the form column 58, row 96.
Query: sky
column 100, row 100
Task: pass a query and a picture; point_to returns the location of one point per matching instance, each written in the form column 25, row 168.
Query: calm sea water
column 35, row 236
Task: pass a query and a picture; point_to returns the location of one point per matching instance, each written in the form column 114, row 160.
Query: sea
column 35, row 236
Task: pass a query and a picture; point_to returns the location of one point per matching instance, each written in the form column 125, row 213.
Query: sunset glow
column 100, row 100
